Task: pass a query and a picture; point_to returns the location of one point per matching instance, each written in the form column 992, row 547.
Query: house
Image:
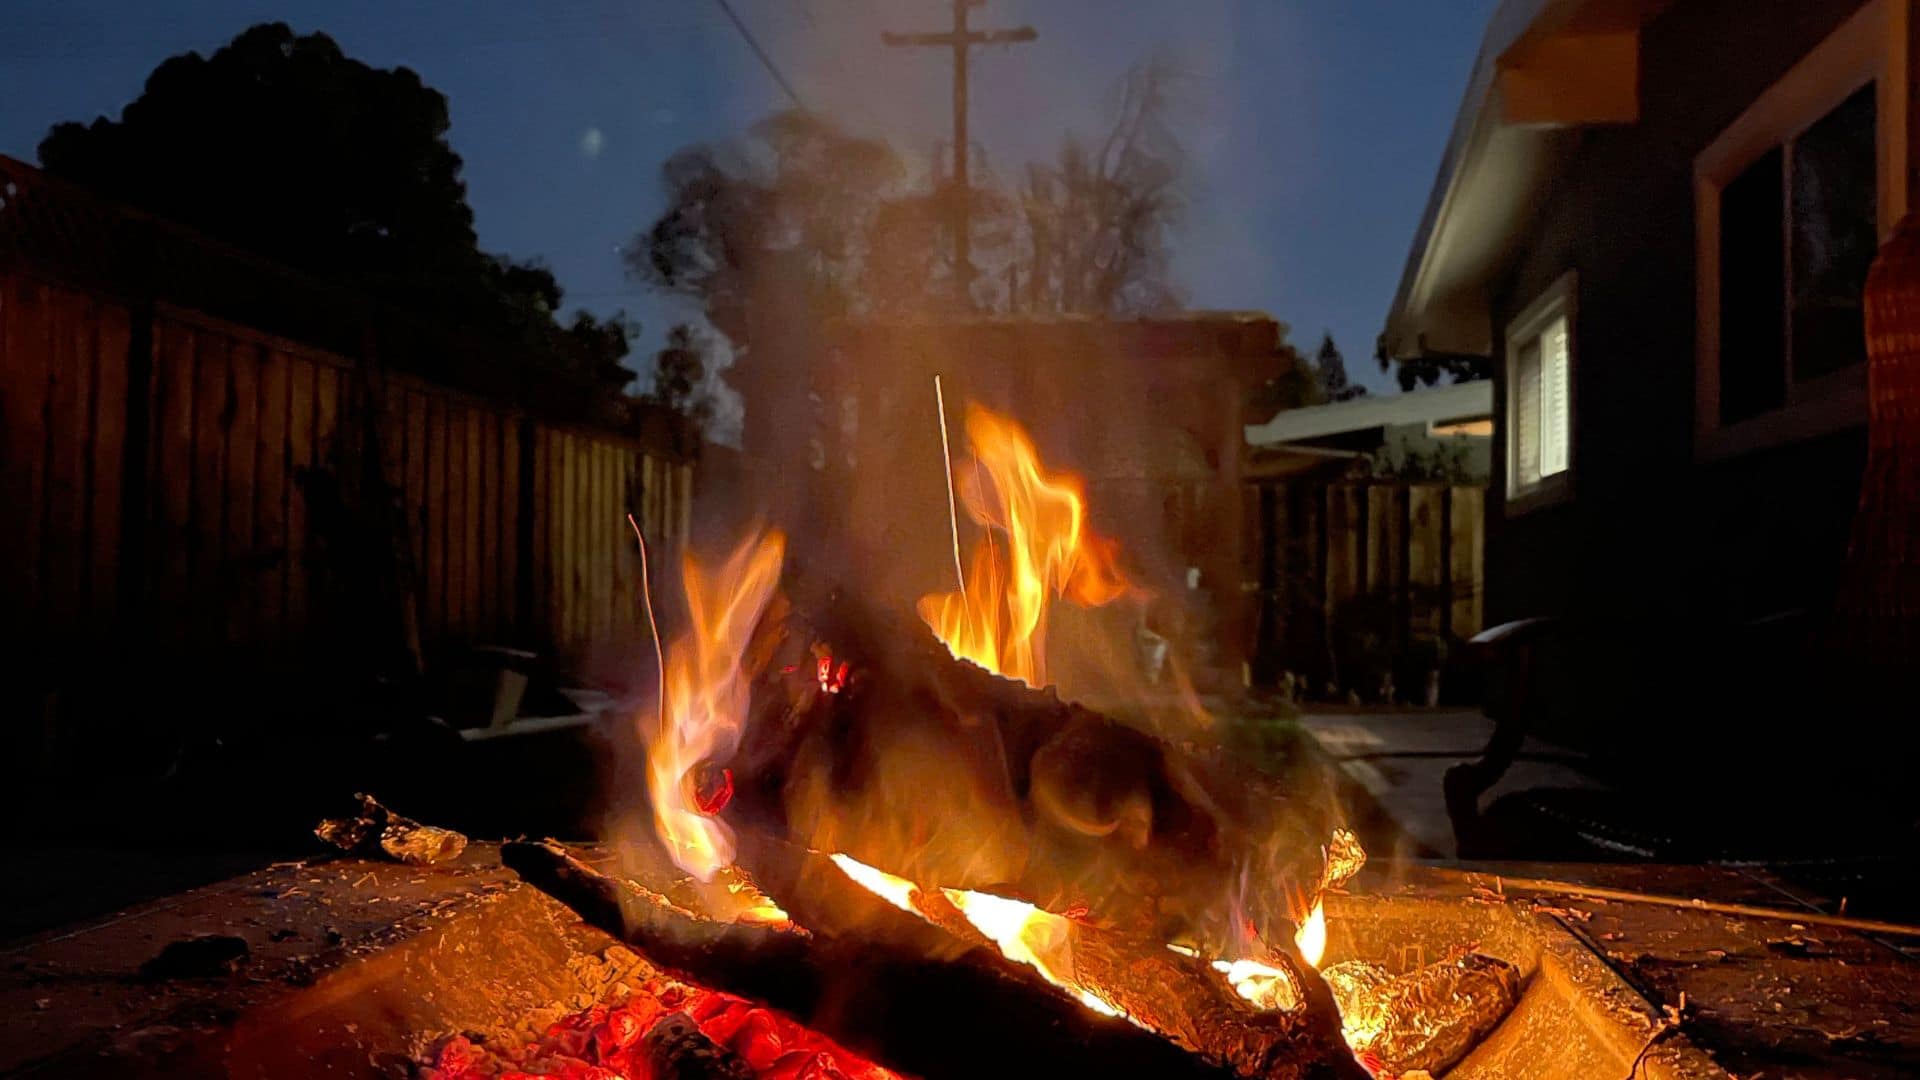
column 1656, row 218
column 1445, row 427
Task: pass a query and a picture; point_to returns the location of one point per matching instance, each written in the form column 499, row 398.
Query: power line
column 765, row 60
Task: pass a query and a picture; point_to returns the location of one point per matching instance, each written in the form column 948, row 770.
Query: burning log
column 942, row 772
column 890, row 1003
column 1176, row 994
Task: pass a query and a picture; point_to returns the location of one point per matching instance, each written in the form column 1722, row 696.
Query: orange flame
column 705, row 697
column 1023, row 933
column 1269, row 987
column 1044, row 550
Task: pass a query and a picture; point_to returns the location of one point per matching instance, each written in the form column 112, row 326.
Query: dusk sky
column 1314, row 126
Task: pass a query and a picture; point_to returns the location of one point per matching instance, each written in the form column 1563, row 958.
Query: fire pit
column 472, row 958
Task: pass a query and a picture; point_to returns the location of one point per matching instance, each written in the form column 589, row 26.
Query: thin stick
column 646, row 598
column 1628, row 896
column 946, row 456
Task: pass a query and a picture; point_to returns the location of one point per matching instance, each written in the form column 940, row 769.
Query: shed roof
column 1460, row 401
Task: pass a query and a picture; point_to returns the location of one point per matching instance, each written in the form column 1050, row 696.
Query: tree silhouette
column 800, row 222
column 283, row 145
column 679, row 376
column 1330, row 368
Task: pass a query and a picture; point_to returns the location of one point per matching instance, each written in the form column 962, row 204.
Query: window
column 1792, row 200
column 1540, row 355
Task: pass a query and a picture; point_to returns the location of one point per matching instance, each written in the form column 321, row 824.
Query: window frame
column 1867, row 48
column 1559, row 300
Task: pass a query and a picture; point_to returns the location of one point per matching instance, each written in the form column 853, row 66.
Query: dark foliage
column 282, row 145
column 1331, row 369
column 679, row 376
column 1429, row 368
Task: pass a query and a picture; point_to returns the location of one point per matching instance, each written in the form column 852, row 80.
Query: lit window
column 1540, row 395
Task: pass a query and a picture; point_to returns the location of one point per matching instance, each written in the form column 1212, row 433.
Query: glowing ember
column 617, row 1042
column 1028, row 935
column 1044, row 550
column 705, row 703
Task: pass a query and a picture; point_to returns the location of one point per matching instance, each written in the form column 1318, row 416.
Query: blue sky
column 1314, row 126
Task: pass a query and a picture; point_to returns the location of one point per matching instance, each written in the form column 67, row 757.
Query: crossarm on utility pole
column 960, row 39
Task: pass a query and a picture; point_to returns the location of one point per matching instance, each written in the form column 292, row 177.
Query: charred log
column 677, row 1049
column 1185, row 999
column 905, row 1010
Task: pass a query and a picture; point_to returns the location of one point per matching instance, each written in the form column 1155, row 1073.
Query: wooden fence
column 1385, row 569
column 177, row 483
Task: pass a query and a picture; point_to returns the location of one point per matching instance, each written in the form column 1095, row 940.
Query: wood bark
column 941, row 772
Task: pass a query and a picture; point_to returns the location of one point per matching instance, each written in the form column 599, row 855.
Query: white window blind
column 1539, row 405
column 1526, row 414
column 1554, row 375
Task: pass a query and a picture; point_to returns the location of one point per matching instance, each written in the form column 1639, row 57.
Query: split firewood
column 1178, row 995
column 890, row 1004
column 1427, row 1019
column 374, row 828
column 868, row 737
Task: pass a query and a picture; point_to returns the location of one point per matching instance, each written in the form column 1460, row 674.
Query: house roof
column 1460, row 401
column 1545, row 67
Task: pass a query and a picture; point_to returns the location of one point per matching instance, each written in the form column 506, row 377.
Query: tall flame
column 705, row 706
column 1037, row 547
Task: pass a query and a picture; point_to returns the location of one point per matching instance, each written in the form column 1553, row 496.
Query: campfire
column 887, row 828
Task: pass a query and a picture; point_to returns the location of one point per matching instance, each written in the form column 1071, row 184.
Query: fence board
column 243, row 561
column 511, row 568
column 301, row 374
column 540, row 560
column 1468, row 557
column 69, row 391
column 514, row 529
column 1345, row 520
column 205, row 527
column 28, row 357
column 270, row 501
column 1383, row 544
column 106, row 474
column 457, row 474
column 1426, row 565
column 471, row 570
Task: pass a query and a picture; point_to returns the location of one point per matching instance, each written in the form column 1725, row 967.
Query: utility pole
column 960, row 39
